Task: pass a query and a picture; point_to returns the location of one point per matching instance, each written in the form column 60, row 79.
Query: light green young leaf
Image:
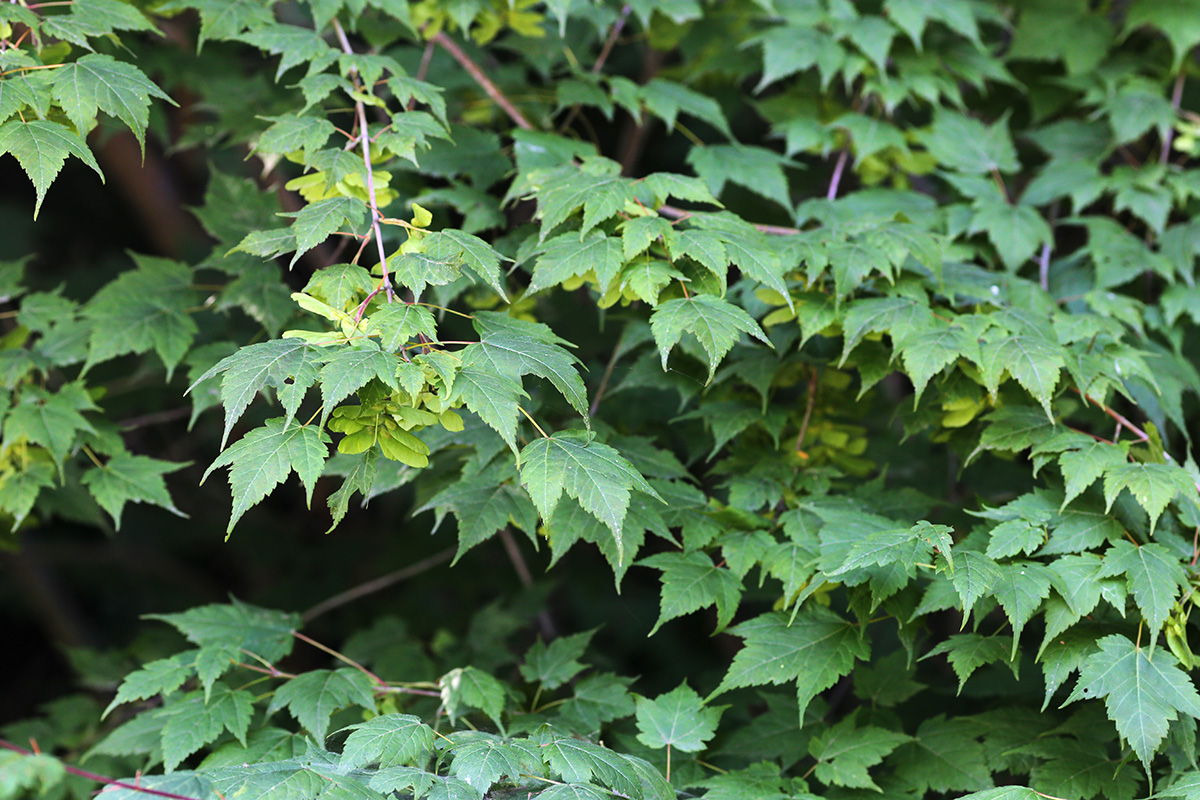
column 596, row 475
column 41, row 147
column 263, row 459
column 313, row 696
column 50, row 420
column 715, row 322
column 677, row 719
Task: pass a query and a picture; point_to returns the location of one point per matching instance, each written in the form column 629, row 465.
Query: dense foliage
column 861, row 334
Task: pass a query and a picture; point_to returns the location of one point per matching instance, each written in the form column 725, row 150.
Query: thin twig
column 422, row 71
column 92, row 776
column 364, row 137
column 1176, row 99
column 808, row 409
column 836, row 180
column 549, row 631
column 604, row 379
column 340, row 657
column 377, row 585
column 774, row 230
column 609, row 43
column 485, row 83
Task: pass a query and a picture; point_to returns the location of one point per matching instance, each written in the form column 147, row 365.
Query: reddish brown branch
column 485, row 83
column 92, row 776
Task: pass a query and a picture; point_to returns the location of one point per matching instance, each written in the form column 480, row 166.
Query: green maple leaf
column 469, row 251
column 193, row 721
column 648, row 278
column 594, row 474
column 677, row 719
column 294, row 778
column 1035, row 362
column 943, row 757
column 968, row 652
column 341, row 285
column 359, row 478
column 481, row 759
column 317, row 221
column 263, row 459
column 41, row 147
column 348, row 369
column 397, row 323
column 597, row 188
column 493, row 397
column 638, row 233
column 387, row 740
column 101, row 83
column 143, row 309
column 716, row 323
column 845, row 752
column 913, row 16
column 158, row 677
column 555, row 664
column 706, row 247
column 313, row 697
column 1081, row 459
column 1177, row 21
column 598, row 698
column 482, row 506
column 754, row 168
column 967, row 145
column 747, row 247
column 579, row 761
column 927, row 352
column 1152, row 485
column 1081, row 769
column 472, row 688
column 49, row 420
column 974, row 576
column 816, row 649
column 1142, row 694
column 1155, row 575
column 226, row 19
column 19, row 490
column 289, row 366
column 264, row 632
column 514, row 348
column 690, row 581
column 130, row 479
column 1020, row 590
column 1016, row 231
column 667, row 99
column 295, row 45
column 569, row 255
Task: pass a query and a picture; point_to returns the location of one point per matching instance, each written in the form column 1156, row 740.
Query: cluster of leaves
column 991, row 276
